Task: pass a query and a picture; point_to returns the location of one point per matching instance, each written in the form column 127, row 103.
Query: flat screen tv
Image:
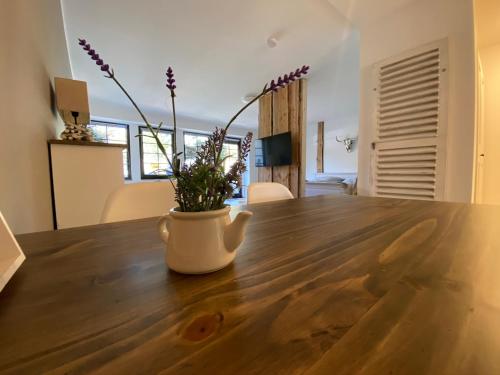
column 274, row 150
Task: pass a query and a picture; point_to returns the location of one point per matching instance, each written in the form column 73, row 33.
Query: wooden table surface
column 322, row 285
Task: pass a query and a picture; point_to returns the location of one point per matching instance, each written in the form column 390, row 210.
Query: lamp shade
column 72, row 100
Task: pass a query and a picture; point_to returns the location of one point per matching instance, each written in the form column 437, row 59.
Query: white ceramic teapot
column 201, row 242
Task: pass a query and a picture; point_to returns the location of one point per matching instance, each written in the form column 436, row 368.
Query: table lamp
column 73, row 106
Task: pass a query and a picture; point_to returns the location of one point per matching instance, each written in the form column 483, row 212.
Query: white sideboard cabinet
column 82, row 176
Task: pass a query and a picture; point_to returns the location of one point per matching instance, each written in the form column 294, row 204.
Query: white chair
column 259, row 192
column 138, row 201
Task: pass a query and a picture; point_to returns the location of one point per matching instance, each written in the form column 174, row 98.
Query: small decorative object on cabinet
column 73, row 105
column 199, row 235
column 11, row 255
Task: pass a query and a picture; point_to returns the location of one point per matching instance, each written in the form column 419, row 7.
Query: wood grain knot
column 203, row 327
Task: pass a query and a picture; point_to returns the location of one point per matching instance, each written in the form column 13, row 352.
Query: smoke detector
column 272, row 42
column 248, row 98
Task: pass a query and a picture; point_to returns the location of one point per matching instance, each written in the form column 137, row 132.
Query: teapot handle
column 163, row 224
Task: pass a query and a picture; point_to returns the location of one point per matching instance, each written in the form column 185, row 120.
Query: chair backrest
column 139, row 200
column 11, row 255
column 259, row 192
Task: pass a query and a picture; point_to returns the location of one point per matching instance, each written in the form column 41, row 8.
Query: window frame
column 141, row 153
column 118, row 125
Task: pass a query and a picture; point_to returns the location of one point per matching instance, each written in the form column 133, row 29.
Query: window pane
column 100, row 133
column 117, row 135
column 154, row 163
column 150, row 158
column 125, row 163
column 150, row 168
column 231, row 151
column 113, row 133
column 192, row 143
column 162, row 158
column 149, row 148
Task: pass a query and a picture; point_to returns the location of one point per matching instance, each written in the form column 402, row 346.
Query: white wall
column 490, row 58
column 333, row 97
column 422, row 22
column 33, row 52
column 336, row 158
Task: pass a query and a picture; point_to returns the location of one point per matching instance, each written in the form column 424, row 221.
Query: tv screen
column 274, row 150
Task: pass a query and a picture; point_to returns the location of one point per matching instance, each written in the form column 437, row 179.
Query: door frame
column 479, row 154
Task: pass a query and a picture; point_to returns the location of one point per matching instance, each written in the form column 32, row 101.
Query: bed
column 331, row 184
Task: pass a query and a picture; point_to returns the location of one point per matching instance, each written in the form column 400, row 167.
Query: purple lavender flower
column 203, row 185
column 239, row 167
column 95, row 56
column 170, row 80
column 288, row 78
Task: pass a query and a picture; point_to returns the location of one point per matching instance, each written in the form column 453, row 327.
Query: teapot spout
column 234, row 233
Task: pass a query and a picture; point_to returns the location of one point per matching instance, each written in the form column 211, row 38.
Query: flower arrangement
column 204, row 185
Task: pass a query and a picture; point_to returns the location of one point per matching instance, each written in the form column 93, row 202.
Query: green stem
column 131, row 100
column 172, row 96
column 264, row 92
column 151, row 129
column 183, row 200
column 245, row 107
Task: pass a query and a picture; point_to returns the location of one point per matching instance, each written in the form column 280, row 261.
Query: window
column 230, row 149
column 193, row 142
column 153, row 163
column 114, row 133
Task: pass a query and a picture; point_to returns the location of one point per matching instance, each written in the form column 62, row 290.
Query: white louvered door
column 409, row 151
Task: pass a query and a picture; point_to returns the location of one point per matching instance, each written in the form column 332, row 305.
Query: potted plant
column 199, row 235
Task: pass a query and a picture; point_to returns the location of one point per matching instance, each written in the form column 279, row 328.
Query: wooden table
column 322, row 285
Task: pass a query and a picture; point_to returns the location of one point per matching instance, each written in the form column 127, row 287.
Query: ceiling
column 217, row 49
column 361, row 12
column 488, row 22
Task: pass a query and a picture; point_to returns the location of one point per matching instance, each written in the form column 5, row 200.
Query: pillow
column 349, row 180
column 328, row 178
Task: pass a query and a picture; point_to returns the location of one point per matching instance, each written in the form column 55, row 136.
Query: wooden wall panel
column 303, row 128
column 265, row 174
column 294, row 127
column 281, row 174
column 320, row 151
column 281, row 112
